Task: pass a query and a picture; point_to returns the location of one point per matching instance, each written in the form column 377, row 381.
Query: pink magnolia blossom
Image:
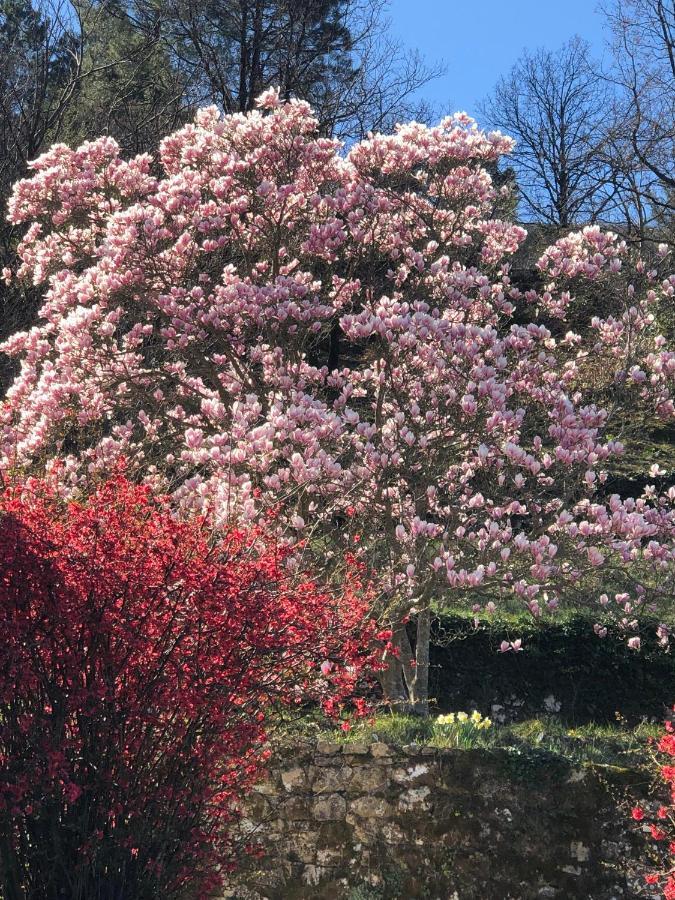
column 271, row 327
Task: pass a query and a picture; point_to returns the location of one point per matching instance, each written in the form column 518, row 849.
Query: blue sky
column 481, row 39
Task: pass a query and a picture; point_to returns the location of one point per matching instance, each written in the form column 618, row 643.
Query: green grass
column 600, row 744
column 510, row 612
column 614, row 744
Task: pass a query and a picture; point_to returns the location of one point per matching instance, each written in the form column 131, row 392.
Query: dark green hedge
column 592, row 678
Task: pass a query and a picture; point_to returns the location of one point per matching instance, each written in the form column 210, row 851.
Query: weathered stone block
column 302, row 846
column 329, row 856
column 329, row 780
column 392, row 833
column 367, row 833
column 355, row 749
column 327, row 748
column 295, row 808
column 415, row 799
column 367, row 780
column 294, row 778
column 313, row 875
column 378, row 750
column 268, row 788
column 370, row 807
column 256, row 805
column 330, row 807
column 411, row 773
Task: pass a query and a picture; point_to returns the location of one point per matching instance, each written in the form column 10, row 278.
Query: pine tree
column 132, row 91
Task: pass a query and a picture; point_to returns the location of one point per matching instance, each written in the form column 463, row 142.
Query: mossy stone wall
column 372, row 822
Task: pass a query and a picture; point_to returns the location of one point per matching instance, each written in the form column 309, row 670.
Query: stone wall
column 366, row 822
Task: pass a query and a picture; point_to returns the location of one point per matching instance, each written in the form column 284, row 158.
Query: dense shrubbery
column 658, row 818
column 140, row 665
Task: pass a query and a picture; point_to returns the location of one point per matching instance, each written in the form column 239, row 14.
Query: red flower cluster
column 141, row 659
column 664, row 814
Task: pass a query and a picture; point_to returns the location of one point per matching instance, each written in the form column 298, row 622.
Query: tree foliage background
column 71, row 70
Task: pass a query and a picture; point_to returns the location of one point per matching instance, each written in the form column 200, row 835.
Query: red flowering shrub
column 658, row 820
column 139, row 664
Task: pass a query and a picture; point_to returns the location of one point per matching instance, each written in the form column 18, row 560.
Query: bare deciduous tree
column 130, row 89
column 642, row 130
column 553, row 104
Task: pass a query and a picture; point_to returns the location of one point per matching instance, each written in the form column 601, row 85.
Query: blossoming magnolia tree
column 269, row 322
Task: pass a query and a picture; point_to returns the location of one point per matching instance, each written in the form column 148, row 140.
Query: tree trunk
column 256, row 74
column 10, row 869
column 394, row 687
column 421, row 684
column 243, row 99
column 405, row 681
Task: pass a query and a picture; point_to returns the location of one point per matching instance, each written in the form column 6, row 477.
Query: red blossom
column 141, row 660
column 662, row 826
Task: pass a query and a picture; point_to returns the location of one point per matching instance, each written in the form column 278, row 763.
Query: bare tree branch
column 553, row 105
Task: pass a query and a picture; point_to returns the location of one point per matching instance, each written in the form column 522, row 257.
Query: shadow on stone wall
column 372, row 822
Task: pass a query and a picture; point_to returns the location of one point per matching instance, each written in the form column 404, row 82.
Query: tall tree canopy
column 71, row 70
column 554, row 106
column 643, row 125
column 267, row 324
column 336, row 54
